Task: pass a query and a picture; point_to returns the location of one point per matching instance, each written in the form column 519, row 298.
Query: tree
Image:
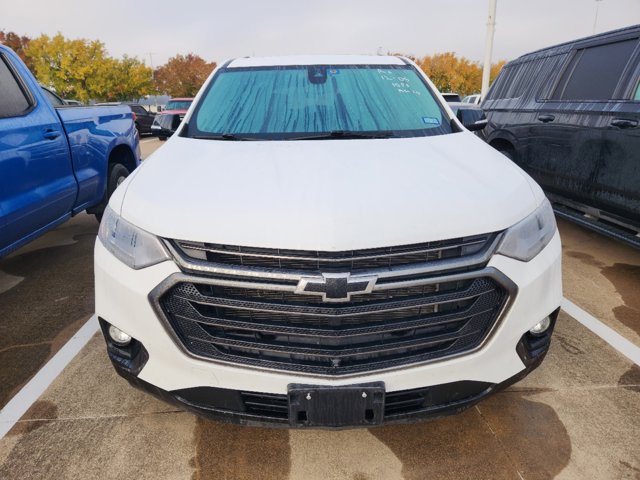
column 451, row 73
column 127, row 79
column 182, row 75
column 17, row 43
column 81, row 69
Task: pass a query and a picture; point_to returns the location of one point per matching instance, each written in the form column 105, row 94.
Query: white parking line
column 18, row 405
column 609, row 335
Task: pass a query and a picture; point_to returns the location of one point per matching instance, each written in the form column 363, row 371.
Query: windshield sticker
column 332, row 72
column 431, row 120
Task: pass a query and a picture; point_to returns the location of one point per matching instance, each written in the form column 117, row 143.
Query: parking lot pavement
column 148, row 145
column 603, row 277
column 46, row 294
column 574, row 417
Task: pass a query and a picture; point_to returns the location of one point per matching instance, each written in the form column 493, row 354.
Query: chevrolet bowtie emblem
column 336, row 287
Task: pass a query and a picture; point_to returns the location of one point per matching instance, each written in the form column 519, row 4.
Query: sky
column 216, row 30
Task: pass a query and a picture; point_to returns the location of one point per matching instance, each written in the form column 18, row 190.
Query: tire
column 162, row 139
column 117, row 174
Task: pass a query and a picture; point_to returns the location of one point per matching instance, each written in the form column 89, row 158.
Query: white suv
column 323, row 244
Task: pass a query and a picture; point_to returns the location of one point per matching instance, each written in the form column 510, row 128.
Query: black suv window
column 138, row 110
column 594, row 72
column 14, row 101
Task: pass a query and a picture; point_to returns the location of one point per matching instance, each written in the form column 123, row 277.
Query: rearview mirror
column 472, row 118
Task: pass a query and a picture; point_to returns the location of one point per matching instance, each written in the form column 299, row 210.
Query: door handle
column 546, row 118
column 624, row 123
column 51, row 134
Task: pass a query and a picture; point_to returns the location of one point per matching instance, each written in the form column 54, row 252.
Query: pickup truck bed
column 55, row 162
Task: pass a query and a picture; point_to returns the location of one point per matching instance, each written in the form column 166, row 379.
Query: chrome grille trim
column 203, row 267
column 194, row 246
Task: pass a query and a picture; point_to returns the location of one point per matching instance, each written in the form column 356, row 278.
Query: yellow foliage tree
column 81, row 69
column 451, row 73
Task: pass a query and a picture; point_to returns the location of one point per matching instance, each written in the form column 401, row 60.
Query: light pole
column 595, row 20
column 488, row 47
column 155, row 97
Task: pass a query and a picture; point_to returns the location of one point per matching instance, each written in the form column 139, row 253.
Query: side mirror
column 159, row 109
column 472, row 118
column 175, row 123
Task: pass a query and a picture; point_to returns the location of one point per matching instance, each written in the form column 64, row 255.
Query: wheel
column 117, row 175
column 162, row 139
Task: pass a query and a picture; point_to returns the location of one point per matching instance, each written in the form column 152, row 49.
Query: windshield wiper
column 346, row 134
column 224, row 136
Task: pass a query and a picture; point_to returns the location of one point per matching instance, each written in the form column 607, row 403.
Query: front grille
column 285, row 331
column 346, row 261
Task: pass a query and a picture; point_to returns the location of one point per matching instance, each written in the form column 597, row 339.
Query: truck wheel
column 117, row 175
column 162, row 139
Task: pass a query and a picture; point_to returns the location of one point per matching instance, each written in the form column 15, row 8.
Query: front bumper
column 448, row 386
column 259, row 409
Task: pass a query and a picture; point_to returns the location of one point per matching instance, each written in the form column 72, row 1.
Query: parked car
column 167, row 121
column 55, row 160
column 451, row 97
column 472, row 99
column 142, row 117
column 569, row 115
column 348, row 256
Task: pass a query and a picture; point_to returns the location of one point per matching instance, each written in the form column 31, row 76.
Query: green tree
column 82, row 69
column 182, row 75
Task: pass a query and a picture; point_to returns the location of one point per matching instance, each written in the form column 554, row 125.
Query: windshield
column 308, row 102
column 178, row 105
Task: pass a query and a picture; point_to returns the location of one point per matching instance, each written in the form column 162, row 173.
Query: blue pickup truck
column 58, row 161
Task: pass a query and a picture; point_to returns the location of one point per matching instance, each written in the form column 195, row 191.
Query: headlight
column 528, row 237
column 133, row 246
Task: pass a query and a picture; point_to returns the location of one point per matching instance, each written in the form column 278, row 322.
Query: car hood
column 327, row 194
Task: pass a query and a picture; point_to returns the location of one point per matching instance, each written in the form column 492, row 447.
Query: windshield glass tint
column 289, row 102
column 178, row 105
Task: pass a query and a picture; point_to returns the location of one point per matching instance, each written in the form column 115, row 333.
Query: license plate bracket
column 343, row 406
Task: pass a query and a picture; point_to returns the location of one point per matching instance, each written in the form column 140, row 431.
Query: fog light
column 541, row 327
column 118, row 336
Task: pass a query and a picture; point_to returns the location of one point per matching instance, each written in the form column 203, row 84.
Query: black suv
column 569, row 116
